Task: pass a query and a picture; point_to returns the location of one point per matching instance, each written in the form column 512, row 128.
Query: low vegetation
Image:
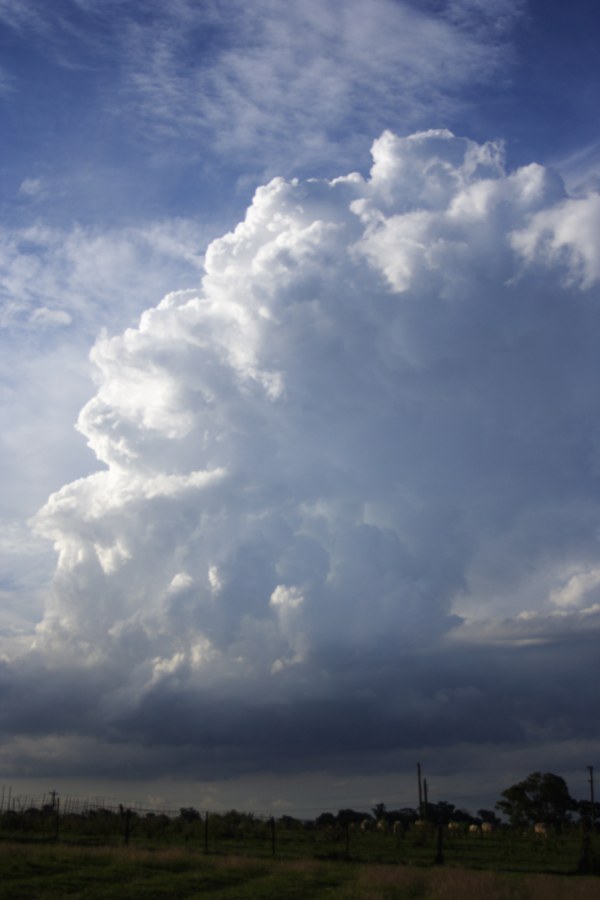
column 547, row 846
column 60, row 871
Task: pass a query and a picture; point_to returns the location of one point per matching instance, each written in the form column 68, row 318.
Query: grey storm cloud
column 348, row 502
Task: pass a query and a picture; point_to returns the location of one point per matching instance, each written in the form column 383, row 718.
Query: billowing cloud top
column 372, row 431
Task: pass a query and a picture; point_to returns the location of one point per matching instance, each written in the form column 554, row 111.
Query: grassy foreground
column 57, row 871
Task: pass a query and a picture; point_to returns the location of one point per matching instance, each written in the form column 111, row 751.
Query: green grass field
column 234, row 835
column 103, row 854
column 53, row 871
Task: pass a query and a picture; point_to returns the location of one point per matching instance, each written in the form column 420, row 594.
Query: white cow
column 474, row 829
column 487, row 828
column 541, row 829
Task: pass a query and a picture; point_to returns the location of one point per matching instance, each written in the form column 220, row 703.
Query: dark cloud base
column 368, row 719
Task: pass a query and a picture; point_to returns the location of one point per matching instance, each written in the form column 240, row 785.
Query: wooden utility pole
column 420, row 790
column 584, row 866
column 425, row 798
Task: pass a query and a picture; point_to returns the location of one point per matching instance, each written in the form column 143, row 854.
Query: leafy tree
column 347, row 817
column 189, row 814
column 326, row 820
column 290, row 823
column 379, row 811
column 587, row 812
column 539, row 798
column 464, row 816
column 441, row 813
column 406, row 816
column 489, row 816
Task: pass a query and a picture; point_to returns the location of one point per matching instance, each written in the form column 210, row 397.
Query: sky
column 299, row 435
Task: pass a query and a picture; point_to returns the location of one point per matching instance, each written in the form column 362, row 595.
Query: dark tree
column 440, row 813
column 589, row 814
column 290, row 823
column 379, row 811
column 489, row 816
column 347, row 817
column 539, row 798
column 326, row 820
column 407, row 815
column 189, row 814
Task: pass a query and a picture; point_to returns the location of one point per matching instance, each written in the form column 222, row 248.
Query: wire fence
column 96, row 822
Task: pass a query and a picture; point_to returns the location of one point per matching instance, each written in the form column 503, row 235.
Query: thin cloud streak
column 97, row 276
column 292, row 84
column 295, row 84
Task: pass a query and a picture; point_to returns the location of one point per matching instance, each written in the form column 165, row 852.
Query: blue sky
column 299, row 390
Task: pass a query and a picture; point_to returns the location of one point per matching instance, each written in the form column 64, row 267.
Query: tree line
column 541, row 797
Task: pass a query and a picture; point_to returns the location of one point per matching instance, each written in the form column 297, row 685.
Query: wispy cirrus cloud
column 293, row 81
column 99, row 277
column 293, row 84
column 6, row 82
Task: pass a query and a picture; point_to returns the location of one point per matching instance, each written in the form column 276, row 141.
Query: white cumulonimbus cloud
column 374, row 420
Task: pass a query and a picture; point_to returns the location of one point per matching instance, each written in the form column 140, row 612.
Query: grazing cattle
column 397, row 827
column 365, row 825
column 454, row 827
column 541, row 829
column 381, row 826
column 474, row 829
column 487, row 828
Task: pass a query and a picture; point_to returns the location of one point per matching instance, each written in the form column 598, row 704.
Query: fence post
column 273, row 835
column 127, row 821
column 57, row 821
column 584, row 864
column 439, row 855
column 206, row 832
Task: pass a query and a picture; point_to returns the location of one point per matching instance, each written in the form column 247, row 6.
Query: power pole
column 591, row 781
column 425, row 797
column 420, row 790
column 584, row 866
